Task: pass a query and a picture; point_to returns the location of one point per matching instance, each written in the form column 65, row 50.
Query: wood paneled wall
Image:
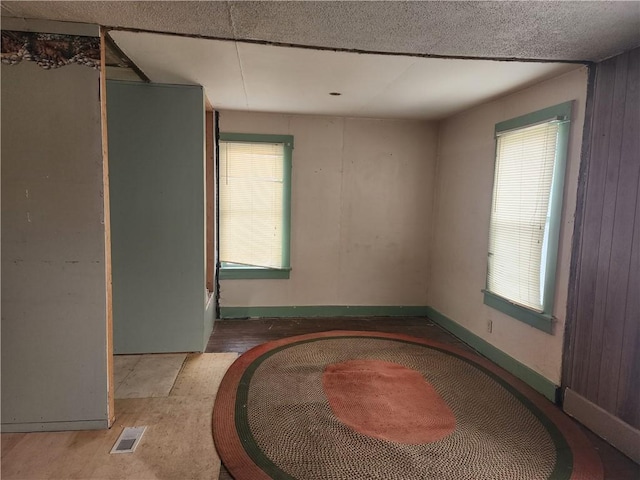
column 602, row 361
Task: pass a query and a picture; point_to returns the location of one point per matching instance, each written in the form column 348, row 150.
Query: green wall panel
column 156, row 164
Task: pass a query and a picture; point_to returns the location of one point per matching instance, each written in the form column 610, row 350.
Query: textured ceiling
column 556, row 30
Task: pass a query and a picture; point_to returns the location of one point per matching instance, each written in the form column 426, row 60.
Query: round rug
column 369, row 405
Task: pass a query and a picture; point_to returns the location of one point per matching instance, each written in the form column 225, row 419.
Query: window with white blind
column 525, row 214
column 254, row 204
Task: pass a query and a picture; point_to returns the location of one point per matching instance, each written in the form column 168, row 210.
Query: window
column 255, row 199
column 525, row 214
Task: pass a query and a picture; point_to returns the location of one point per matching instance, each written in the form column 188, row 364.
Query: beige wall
column 362, row 195
column 461, row 221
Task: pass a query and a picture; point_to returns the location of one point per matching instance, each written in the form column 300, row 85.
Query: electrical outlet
column 489, row 326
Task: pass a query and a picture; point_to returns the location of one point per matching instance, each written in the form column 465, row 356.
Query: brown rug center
column 387, row 401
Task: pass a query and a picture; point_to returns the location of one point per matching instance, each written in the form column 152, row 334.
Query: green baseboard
column 510, row 364
column 323, row 311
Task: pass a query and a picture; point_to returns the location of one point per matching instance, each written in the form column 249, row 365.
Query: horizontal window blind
column 251, row 203
column 520, row 213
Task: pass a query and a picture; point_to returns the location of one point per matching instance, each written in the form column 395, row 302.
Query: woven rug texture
column 355, row 405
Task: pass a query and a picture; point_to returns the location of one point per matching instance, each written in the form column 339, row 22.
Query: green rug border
column 564, row 456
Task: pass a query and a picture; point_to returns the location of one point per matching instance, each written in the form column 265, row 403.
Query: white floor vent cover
column 128, row 440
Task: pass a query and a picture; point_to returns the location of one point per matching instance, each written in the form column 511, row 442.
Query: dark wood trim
column 216, row 202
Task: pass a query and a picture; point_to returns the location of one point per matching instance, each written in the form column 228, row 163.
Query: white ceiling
column 554, row 30
column 248, row 76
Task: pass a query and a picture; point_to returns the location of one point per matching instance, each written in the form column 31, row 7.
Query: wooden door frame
column 111, row 415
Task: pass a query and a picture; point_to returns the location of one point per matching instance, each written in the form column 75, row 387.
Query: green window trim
column 256, row 273
column 258, row 138
column 556, row 112
column 541, row 320
column 244, row 273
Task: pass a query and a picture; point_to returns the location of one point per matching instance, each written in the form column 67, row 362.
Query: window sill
column 254, row 273
column 538, row 320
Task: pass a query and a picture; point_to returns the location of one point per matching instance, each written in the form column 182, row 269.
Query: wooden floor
column 242, row 335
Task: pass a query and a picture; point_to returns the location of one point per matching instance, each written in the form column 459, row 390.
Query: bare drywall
column 361, row 211
column 461, row 229
column 54, row 327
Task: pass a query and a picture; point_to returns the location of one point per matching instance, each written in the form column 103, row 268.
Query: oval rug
column 369, row 405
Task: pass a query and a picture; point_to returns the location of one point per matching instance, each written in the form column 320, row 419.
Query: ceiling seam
column 233, row 30
column 386, row 87
column 244, row 86
column 351, row 50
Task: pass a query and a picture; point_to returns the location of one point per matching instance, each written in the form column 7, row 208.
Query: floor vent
column 128, row 440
